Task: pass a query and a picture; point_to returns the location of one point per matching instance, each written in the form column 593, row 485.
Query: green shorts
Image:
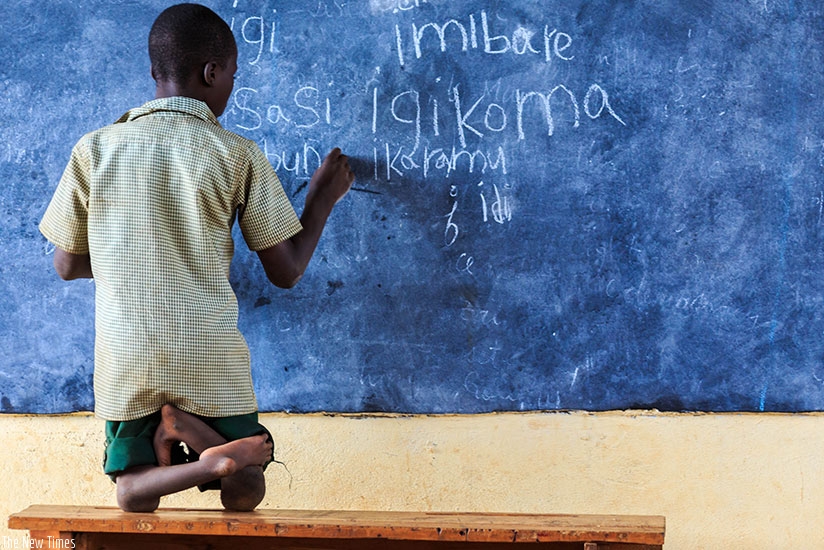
column 130, row 443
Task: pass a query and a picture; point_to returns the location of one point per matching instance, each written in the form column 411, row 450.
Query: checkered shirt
column 152, row 199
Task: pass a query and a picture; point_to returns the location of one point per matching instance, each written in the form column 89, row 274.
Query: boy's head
column 185, row 41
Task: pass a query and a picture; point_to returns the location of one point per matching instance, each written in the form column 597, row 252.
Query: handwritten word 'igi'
column 550, row 44
column 254, row 32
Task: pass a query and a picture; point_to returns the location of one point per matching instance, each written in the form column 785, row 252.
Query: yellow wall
column 723, row 481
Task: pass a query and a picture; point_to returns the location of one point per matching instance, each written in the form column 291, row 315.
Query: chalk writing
column 482, row 116
column 476, row 34
column 498, row 209
column 253, row 31
column 479, row 316
column 308, row 108
column 464, row 263
column 395, row 5
column 451, row 231
column 408, row 123
column 302, row 162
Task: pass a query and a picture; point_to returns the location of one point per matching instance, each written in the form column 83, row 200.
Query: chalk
column 362, row 190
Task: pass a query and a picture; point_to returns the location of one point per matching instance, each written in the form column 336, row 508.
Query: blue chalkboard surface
column 560, row 204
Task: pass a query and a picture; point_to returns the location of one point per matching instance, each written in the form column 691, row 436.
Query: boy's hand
column 333, row 179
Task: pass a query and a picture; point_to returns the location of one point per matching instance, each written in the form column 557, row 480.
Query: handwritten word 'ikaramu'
column 395, row 161
column 548, row 44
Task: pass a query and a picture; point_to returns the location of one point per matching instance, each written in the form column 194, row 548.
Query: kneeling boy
column 146, row 207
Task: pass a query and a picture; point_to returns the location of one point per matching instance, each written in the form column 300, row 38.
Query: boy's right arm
column 285, row 263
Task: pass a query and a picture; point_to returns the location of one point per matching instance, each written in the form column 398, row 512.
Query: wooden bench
column 85, row 527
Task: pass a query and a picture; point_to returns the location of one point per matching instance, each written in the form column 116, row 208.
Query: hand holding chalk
column 333, row 178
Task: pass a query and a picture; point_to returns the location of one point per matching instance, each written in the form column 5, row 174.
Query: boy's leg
column 240, row 491
column 139, row 489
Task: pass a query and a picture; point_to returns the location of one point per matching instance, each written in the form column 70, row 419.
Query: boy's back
column 163, row 187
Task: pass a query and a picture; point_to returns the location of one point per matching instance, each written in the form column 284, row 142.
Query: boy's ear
column 209, row 73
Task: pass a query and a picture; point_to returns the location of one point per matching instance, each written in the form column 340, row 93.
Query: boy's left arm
column 72, row 266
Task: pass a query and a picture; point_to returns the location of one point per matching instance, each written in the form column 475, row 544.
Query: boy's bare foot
column 229, row 458
column 178, row 426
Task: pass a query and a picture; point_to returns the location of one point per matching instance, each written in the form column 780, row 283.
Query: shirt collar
column 179, row 104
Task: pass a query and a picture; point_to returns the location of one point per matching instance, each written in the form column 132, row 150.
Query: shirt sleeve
column 65, row 223
column 266, row 216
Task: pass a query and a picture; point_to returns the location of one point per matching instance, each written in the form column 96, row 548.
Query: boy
column 146, row 206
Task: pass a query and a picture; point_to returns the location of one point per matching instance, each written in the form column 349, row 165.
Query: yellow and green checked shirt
column 152, row 200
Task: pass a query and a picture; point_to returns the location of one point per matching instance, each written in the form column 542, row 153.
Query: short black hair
column 184, row 38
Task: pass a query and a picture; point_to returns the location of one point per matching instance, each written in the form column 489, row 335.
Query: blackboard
column 559, row 205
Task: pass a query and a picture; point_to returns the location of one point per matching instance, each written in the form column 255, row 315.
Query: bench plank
column 115, row 541
column 356, row 526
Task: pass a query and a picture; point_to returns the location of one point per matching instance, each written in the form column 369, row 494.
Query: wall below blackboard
column 588, row 205
column 721, row 480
